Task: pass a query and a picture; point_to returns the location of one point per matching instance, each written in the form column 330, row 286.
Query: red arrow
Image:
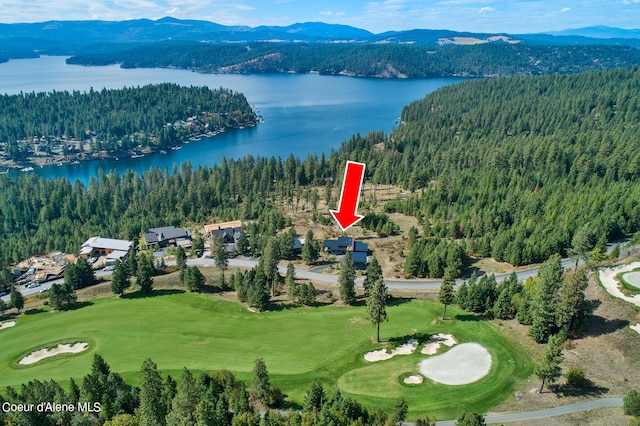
column 346, row 214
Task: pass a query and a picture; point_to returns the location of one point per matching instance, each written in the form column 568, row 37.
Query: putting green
column 299, row 345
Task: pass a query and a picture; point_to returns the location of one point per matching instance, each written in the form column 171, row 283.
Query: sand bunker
column 635, row 327
column 414, row 379
column 610, row 283
column 437, row 340
column 7, row 324
column 466, row 363
column 382, row 355
column 60, row 349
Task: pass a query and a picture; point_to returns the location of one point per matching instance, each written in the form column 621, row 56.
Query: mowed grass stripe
column 299, row 345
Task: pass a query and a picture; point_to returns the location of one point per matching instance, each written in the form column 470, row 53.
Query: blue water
column 303, row 114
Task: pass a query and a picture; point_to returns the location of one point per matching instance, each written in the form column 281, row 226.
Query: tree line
column 369, row 60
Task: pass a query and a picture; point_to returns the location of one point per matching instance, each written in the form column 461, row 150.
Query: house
column 228, row 231
column 166, row 236
column 111, row 248
column 359, row 259
column 338, row 246
column 359, row 250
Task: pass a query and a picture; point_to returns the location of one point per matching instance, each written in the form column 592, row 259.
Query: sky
column 510, row 16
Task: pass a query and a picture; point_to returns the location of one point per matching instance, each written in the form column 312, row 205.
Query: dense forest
column 153, row 115
column 516, row 167
column 388, row 60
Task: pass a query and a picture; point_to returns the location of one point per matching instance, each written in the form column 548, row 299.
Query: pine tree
column 544, row 303
column 373, row 272
column 548, row 369
column 243, row 242
column 193, row 279
column 310, row 249
column 314, row 398
column 502, row 308
column 144, row 274
column 152, row 409
column 120, row 278
column 181, row 258
column 377, row 304
column 198, row 245
column 16, row 298
column 221, row 257
column 261, row 384
column 269, row 263
column 346, row 280
column 183, row 405
column 447, row 293
column 290, row 280
column 571, row 299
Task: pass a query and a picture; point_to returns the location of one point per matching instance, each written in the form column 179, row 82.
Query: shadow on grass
column 471, row 317
column 401, row 340
column 589, row 389
column 396, row 301
column 34, row 311
column 154, row 293
column 78, row 305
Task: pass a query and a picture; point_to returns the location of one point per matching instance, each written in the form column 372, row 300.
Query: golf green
column 206, row 333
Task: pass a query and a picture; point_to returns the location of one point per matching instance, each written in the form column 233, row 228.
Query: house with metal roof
column 111, row 248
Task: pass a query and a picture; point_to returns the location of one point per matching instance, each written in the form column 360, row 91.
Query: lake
column 303, row 113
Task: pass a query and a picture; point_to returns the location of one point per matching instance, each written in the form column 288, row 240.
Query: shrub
column 631, row 403
column 575, row 377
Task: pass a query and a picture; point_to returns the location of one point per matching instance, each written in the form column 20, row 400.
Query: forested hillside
column 511, row 168
column 517, row 166
column 156, row 115
column 384, row 60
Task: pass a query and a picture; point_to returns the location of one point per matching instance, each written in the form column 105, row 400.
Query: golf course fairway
column 299, row 345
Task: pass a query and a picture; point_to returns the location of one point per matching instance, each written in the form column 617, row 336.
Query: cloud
column 244, row 7
column 331, row 13
column 486, row 9
column 565, row 9
column 172, row 11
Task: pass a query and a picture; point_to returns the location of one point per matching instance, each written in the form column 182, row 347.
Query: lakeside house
column 168, row 236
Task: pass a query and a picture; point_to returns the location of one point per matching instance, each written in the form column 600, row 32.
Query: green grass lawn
column 204, row 332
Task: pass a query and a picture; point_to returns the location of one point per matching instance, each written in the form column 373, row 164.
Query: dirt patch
column 47, row 353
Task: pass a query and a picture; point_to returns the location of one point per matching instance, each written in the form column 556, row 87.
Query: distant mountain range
column 78, row 37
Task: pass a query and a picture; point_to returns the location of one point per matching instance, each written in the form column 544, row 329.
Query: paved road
column 245, row 262
column 551, row 412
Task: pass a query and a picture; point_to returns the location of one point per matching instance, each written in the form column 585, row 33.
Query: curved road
column 551, row 412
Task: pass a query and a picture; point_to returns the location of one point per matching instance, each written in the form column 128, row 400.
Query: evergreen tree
column 346, row 280
column 548, row 368
column 61, row 296
column 243, row 243
column 221, row 257
column 194, row 280
column 290, row 280
column 544, row 303
column 3, row 306
column 198, row 245
column 631, row 403
column 315, row 397
column 377, row 304
column 470, row 419
column 400, row 411
column 183, row 405
column 181, row 258
column 16, row 298
column 261, row 384
column 581, row 243
column 502, row 308
column 462, row 295
column 85, row 274
column 373, row 272
column 571, row 301
column 447, row 293
column 269, row 263
column 120, row 278
column 152, row 410
column 310, row 249
column 144, row 275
